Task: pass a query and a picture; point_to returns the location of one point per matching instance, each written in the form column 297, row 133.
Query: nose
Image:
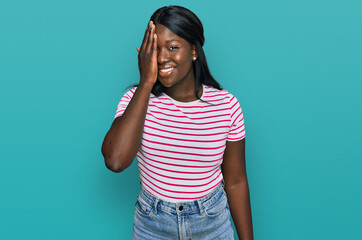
column 163, row 56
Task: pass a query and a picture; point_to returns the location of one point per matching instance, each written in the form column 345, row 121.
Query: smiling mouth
column 164, row 72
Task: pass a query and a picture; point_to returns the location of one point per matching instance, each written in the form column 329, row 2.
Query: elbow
column 113, row 166
column 116, row 161
column 116, row 164
column 111, row 161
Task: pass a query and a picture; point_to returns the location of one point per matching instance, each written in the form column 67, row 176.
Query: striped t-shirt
column 183, row 143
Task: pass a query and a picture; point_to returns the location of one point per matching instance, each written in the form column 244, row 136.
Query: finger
column 154, row 45
column 150, row 39
column 144, row 44
column 138, row 49
column 154, row 38
column 145, row 37
column 147, row 29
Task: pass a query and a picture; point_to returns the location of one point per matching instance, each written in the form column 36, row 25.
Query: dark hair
column 187, row 25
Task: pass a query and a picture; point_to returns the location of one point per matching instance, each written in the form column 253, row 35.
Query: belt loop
column 155, row 205
column 200, row 206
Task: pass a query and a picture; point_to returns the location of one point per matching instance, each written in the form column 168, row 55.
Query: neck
column 184, row 90
column 184, row 94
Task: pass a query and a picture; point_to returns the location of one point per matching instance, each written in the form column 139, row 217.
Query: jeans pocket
column 217, row 207
column 143, row 207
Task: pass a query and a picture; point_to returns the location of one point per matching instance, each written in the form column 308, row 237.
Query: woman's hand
column 147, row 56
column 123, row 139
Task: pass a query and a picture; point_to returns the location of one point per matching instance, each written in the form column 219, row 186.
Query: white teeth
column 166, row 70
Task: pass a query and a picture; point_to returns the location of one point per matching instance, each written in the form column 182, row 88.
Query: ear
column 193, row 53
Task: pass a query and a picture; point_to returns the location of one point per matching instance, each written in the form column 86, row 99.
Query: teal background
column 295, row 66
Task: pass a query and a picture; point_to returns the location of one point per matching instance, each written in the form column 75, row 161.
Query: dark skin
column 237, row 187
column 167, row 57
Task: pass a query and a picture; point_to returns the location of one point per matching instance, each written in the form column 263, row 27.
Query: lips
column 165, row 71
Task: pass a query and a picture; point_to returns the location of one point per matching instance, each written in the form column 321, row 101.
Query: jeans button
column 180, row 208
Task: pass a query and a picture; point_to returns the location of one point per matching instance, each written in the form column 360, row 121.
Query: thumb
column 138, row 49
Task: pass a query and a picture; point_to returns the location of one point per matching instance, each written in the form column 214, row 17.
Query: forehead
column 165, row 35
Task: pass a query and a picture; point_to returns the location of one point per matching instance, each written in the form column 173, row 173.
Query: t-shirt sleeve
column 122, row 105
column 237, row 128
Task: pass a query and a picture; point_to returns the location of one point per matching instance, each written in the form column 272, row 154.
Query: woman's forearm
column 122, row 141
column 239, row 202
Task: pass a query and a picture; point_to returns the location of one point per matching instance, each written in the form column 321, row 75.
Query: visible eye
column 173, row 48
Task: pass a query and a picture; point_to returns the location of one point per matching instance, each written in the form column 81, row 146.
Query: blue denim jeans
column 205, row 218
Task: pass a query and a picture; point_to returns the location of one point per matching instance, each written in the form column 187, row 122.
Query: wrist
column 145, row 85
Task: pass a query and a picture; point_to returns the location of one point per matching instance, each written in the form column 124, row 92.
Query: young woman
column 188, row 136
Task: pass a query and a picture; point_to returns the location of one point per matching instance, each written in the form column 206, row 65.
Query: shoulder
column 218, row 96
column 129, row 94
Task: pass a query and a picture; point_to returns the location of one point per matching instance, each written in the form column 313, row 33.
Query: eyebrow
column 172, row 40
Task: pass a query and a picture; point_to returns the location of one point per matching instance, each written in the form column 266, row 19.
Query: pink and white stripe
column 183, row 143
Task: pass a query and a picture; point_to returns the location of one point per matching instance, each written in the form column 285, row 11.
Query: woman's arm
column 237, row 189
column 123, row 139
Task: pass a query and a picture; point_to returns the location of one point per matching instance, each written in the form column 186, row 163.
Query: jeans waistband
column 197, row 205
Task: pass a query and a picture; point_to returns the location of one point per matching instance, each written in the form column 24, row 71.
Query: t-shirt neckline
column 188, row 103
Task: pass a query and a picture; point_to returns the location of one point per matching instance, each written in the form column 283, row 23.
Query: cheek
column 179, row 59
column 183, row 60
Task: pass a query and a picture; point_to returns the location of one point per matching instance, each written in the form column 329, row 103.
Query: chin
column 166, row 83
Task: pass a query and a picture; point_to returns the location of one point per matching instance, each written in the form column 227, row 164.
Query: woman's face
column 174, row 58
